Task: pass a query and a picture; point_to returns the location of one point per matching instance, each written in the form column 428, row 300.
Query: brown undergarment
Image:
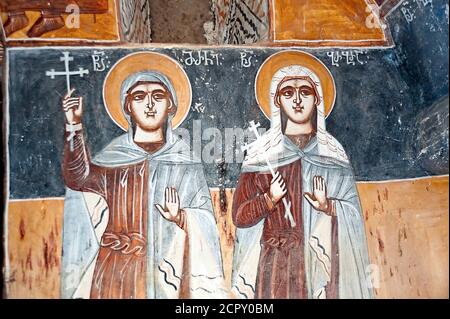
column 302, row 140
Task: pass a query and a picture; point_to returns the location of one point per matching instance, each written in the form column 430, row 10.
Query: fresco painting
column 292, row 157
column 60, row 20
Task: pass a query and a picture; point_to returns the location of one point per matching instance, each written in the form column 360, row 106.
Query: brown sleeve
column 331, row 210
column 249, row 203
column 78, row 171
column 332, row 288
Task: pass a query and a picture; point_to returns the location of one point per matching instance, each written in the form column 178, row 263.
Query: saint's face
column 150, row 105
column 297, row 100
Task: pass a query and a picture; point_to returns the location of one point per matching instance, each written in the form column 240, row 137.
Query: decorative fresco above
column 60, row 20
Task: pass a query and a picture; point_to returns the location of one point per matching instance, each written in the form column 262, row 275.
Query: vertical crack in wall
column 222, row 172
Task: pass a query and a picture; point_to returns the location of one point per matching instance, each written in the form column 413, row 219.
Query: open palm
column 318, row 199
column 171, row 210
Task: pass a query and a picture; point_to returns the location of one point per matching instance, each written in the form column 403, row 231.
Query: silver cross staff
column 66, row 58
column 287, row 205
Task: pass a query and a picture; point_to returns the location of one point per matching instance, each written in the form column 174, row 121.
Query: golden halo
column 140, row 62
column 282, row 59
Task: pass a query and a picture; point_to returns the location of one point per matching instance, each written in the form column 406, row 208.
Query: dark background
column 391, row 114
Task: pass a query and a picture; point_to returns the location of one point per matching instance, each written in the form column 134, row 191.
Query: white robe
column 323, row 156
column 354, row 266
column 171, row 166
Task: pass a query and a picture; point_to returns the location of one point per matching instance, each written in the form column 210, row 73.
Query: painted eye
column 159, row 96
column 139, row 97
column 288, row 93
column 305, row 93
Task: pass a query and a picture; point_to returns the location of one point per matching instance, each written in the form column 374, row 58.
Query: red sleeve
column 250, row 205
column 78, row 171
column 332, row 288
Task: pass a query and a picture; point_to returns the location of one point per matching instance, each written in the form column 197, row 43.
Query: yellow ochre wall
column 406, row 224
column 325, row 22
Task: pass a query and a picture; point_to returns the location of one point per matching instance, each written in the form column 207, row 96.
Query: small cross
column 246, row 147
column 66, row 58
column 254, row 128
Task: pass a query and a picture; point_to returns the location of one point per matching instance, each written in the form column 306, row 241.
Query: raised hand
column 318, row 199
column 73, row 108
column 171, row 210
column 277, row 188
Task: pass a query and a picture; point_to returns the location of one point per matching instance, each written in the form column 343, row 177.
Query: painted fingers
column 277, row 188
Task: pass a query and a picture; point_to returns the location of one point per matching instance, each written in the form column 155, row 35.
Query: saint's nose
column 149, row 102
column 297, row 99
